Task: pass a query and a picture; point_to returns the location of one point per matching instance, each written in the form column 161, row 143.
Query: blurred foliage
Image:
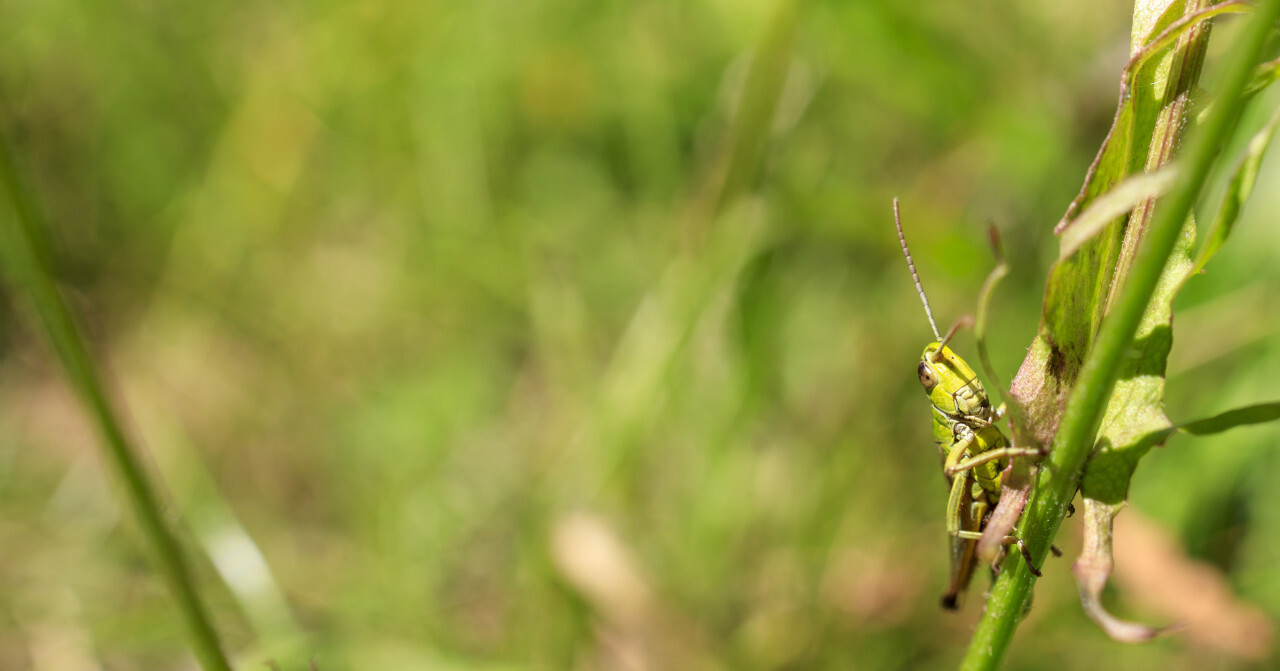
column 423, row 313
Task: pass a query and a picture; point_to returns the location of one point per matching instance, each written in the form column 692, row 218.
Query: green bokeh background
column 457, row 350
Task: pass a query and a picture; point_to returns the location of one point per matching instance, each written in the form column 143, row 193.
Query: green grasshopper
column 973, row 449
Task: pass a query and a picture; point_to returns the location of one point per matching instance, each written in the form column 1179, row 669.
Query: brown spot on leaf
column 1057, row 360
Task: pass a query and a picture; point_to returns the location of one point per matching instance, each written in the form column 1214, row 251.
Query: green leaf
column 1129, row 273
column 1263, row 76
column 1249, row 415
column 1253, row 414
column 1239, row 188
column 1108, row 207
column 1136, row 405
column 1080, row 282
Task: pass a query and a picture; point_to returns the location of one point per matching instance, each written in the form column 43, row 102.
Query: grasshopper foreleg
column 957, row 464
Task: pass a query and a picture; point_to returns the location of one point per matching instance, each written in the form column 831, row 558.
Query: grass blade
column 28, row 259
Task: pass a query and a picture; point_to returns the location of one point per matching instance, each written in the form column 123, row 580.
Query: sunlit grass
column 425, row 301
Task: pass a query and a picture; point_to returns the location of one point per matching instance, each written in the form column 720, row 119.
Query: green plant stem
column 1058, row 479
column 27, row 258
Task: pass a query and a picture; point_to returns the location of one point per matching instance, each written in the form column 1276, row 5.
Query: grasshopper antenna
column 897, row 221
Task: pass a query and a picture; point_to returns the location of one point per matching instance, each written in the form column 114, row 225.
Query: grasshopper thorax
column 951, row 384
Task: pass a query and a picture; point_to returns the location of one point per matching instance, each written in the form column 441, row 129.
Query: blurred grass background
column 504, row 335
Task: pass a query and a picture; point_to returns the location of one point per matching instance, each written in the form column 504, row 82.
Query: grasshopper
column 973, row 449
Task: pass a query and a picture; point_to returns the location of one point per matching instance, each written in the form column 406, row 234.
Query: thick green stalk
column 27, row 259
column 1058, row 478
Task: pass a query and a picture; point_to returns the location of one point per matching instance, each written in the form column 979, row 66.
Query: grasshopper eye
column 927, row 379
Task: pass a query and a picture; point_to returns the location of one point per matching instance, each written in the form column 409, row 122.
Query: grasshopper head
column 951, row 384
